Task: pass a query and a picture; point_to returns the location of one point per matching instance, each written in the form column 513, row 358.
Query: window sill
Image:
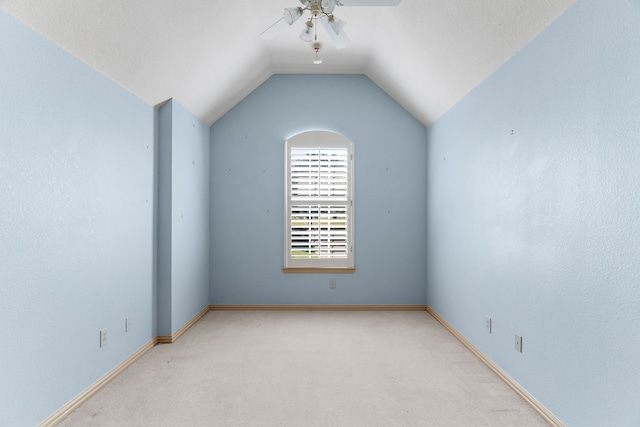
column 318, row 270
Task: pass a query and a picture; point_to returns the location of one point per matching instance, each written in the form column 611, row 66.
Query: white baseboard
column 524, row 394
column 61, row 413
column 168, row 339
column 314, row 307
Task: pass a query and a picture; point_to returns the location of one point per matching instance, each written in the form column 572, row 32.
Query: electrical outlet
column 518, row 343
column 127, row 324
column 103, row 337
column 487, row 324
column 332, row 283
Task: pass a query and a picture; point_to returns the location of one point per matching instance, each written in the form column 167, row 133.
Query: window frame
column 320, row 140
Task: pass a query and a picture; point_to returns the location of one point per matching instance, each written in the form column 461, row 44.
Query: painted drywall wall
column 534, row 215
column 183, row 200
column 247, row 194
column 76, row 225
column 165, row 211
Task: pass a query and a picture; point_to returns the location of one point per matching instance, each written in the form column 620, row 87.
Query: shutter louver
column 319, row 231
column 319, row 173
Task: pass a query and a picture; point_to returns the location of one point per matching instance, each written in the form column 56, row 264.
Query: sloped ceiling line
column 207, row 54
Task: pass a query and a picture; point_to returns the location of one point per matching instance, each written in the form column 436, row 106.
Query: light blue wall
column 76, row 225
column 183, row 241
column 540, row 229
column 247, row 190
column 165, row 217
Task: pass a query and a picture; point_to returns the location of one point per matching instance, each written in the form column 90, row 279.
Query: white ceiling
column 207, row 54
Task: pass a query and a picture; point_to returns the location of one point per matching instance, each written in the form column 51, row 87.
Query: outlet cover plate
column 103, row 337
column 518, row 343
column 488, row 324
column 127, row 324
column 332, row 283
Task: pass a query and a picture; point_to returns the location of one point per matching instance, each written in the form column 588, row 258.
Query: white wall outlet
column 103, row 337
column 332, row 283
column 518, row 343
column 127, row 324
column 487, row 324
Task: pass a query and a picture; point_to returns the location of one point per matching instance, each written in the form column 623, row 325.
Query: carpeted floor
column 297, row 368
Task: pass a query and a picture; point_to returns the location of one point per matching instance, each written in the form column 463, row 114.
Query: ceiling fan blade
column 368, row 2
column 274, row 29
column 339, row 37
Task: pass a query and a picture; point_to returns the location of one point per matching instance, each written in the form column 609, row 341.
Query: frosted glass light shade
column 328, row 6
column 307, row 32
column 291, row 14
column 334, row 27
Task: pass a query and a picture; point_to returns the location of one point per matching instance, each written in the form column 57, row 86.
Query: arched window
column 318, row 202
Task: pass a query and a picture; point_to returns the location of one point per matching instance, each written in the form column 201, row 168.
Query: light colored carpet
column 288, row 368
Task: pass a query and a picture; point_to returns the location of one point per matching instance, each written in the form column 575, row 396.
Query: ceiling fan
column 320, row 10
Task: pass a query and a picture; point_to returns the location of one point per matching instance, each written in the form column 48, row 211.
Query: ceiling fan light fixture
column 291, row 14
column 328, row 6
column 335, row 31
column 321, row 11
column 307, row 32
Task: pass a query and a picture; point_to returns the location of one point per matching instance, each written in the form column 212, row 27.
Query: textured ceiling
column 207, row 54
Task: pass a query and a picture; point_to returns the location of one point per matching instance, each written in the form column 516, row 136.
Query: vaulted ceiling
column 207, row 54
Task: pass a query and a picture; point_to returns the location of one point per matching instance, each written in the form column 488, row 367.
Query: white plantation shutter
column 319, row 201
